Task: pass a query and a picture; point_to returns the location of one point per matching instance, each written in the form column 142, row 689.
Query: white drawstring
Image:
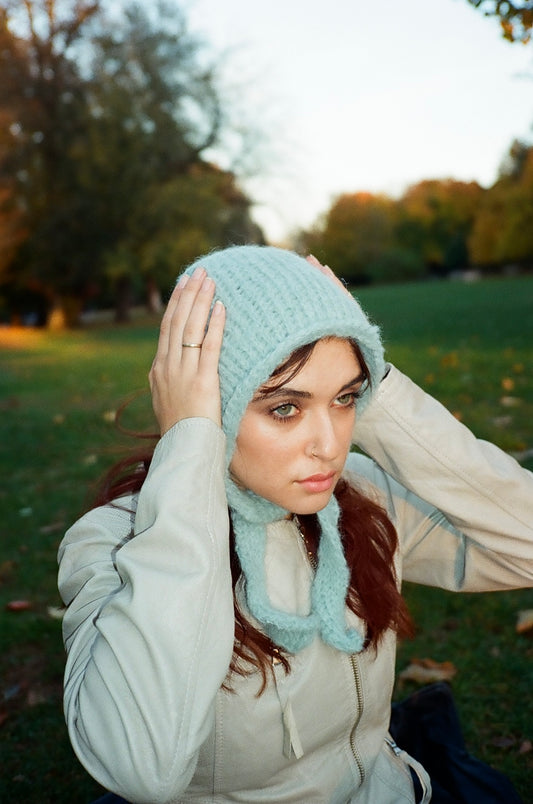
column 292, row 745
column 417, row 768
column 291, row 739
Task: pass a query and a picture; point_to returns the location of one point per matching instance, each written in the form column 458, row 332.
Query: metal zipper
column 359, row 693
column 310, row 555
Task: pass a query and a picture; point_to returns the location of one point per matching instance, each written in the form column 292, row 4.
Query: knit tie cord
column 327, row 617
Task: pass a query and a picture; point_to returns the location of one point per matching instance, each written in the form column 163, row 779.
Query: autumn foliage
column 436, row 227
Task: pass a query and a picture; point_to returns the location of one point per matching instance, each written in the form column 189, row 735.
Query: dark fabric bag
column 426, row 725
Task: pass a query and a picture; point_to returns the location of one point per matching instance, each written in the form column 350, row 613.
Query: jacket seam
column 437, row 454
column 183, row 734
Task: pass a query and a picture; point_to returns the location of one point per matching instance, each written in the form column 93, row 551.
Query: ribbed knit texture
column 275, row 302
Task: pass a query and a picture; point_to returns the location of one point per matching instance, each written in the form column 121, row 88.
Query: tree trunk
column 153, row 297
column 64, row 313
column 123, row 300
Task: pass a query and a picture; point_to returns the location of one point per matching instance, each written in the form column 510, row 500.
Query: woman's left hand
column 184, row 378
column 326, row 270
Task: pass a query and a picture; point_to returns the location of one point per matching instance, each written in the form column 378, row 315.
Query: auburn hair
column 368, row 536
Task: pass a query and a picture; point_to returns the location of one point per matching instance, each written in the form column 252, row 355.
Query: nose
column 323, row 440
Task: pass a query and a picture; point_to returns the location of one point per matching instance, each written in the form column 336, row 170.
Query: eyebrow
column 286, row 390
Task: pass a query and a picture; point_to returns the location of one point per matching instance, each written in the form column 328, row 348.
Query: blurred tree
column 358, row 229
column 357, row 238
column 516, row 18
column 187, row 215
column 41, row 108
column 434, row 220
column 100, row 116
column 372, row 238
column 503, row 229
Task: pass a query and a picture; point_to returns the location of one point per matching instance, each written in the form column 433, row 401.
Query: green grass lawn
column 469, row 345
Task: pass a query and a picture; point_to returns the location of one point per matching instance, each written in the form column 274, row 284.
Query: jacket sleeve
column 463, row 507
column 149, row 626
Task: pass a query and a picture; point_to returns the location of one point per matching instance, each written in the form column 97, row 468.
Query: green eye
column 284, row 411
column 346, row 399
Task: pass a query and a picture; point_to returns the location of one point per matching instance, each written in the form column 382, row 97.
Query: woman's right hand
column 184, row 379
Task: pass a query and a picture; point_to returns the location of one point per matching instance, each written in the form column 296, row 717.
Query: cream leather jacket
column 149, row 624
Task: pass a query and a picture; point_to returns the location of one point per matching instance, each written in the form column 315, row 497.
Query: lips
column 318, row 483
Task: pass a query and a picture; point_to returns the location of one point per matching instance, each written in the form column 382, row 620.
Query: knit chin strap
column 250, row 516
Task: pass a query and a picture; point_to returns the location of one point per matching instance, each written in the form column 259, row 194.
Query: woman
column 250, row 657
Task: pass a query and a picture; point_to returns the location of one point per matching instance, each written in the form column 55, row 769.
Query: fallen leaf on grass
column 56, row 612
column 503, row 742
column 19, row 605
column 6, row 570
column 52, row 527
column 450, row 360
column 525, row 621
column 425, row 671
column 523, row 454
column 502, row 421
column 36, row 697
column 109, row 416
column 11, row 403
column 510, row 401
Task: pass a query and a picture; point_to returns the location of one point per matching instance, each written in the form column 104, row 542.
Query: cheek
column 348, row 429
column 259, row 447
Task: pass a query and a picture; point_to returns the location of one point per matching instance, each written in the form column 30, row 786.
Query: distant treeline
column 435, row 228
column 111, row 114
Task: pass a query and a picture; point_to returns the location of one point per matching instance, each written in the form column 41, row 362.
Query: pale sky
column 374, row 96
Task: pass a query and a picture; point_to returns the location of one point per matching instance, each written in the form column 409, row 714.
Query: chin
column 312, row 506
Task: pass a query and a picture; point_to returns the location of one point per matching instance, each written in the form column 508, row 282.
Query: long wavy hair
column 368, row 536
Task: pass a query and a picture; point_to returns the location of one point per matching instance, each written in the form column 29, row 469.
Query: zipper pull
column 397, row 750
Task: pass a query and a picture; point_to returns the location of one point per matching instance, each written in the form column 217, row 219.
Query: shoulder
column 365, row 475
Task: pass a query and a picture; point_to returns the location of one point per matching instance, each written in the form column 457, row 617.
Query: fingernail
column 207, row 284
column 218, row 307
column 198, row 273
column 182, row 281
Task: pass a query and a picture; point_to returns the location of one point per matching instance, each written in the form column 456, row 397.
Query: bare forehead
column 339, row 354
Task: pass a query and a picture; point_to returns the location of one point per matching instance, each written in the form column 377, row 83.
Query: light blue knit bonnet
column 276, row 302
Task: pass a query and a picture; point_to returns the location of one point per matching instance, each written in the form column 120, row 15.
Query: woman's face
column 292, row 443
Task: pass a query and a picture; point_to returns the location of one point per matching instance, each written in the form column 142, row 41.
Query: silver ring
column 192, row 345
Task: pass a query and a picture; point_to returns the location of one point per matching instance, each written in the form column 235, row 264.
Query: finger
column 326, row 270
column 208, row 373
column 213, row 339
column 166, row 321
column 182, row 310
column 312, row 260
column 195, row 326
